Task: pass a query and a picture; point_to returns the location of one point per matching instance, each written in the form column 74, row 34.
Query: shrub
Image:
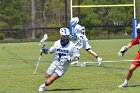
column 1, row 36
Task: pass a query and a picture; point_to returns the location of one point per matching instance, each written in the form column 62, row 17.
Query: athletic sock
column 96, row 56
column 43, row 85
column 46, row 84
column 125, row 81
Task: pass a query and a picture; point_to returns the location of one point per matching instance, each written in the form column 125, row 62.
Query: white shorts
column 55, row 69
column 86, row 45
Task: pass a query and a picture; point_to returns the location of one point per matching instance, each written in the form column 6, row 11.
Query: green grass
column 18, row 61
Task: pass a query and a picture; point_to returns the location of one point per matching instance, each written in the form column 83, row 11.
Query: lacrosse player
column 82, row 41
column 134, row 64
column 64, row 53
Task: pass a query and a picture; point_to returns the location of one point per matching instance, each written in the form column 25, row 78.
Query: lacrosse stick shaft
column 42, row 43
column 39, row 60
column 111, row 61
column 37, row 63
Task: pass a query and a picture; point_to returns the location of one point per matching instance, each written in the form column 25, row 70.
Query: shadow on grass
column 110, row 67
column 114, row 67
column 70, row 89
column 134, row 86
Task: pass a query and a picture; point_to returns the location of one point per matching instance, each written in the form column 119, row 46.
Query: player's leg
column 132, row 68
column 49, row 81
column 92, row 52
column 52, row 79
column 130, row 71
column 129, row 75
column 88, row 49
column 50, row 71
column 96, row 56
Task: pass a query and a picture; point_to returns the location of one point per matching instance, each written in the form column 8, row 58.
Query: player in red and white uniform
column 64, row 53
column 135, row 64
column 82, row 41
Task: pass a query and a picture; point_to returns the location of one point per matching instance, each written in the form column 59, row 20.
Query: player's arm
column 129, row 45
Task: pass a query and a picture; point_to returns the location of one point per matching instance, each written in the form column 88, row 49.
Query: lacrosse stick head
column 74, row 21
column 43, row 40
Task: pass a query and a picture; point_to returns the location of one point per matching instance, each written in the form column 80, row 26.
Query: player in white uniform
column 64, row 53
column 82, row 41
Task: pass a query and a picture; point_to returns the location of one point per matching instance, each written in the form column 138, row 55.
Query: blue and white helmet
column 74, row 21
column 64, row 31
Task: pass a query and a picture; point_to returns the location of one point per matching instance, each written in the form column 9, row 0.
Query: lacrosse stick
column 84, row 64
column 42, row 43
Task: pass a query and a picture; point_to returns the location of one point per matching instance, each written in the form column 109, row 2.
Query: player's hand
column 123, row 50
column 45, row 50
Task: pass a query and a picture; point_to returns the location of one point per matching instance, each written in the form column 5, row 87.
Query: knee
column 131, row 70
column 47, row 75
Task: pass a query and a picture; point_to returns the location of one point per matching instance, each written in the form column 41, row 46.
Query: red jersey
column 137, row 57
column 136, row 40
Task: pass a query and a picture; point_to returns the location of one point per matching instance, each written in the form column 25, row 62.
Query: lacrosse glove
column 123, row 50
column 45, row 50
column 64, row 59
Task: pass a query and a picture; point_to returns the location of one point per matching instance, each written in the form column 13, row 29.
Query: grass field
column 18, row 61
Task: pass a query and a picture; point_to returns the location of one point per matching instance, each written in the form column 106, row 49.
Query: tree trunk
column 33, row 18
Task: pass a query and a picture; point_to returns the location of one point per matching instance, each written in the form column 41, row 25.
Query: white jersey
column 82, row 41
column 68, row 51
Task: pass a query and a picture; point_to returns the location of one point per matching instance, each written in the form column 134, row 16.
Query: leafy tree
column 12, row 14
column 113, row 16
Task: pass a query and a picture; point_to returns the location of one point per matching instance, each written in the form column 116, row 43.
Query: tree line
column 19, row 14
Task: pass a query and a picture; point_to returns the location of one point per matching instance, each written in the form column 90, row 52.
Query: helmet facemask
column 64, row 39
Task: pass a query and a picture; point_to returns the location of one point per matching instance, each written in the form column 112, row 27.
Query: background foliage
column 19, row 14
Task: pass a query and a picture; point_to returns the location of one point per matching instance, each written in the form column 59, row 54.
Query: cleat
column 100, row 61
column 123, row 85
column 41, row 89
